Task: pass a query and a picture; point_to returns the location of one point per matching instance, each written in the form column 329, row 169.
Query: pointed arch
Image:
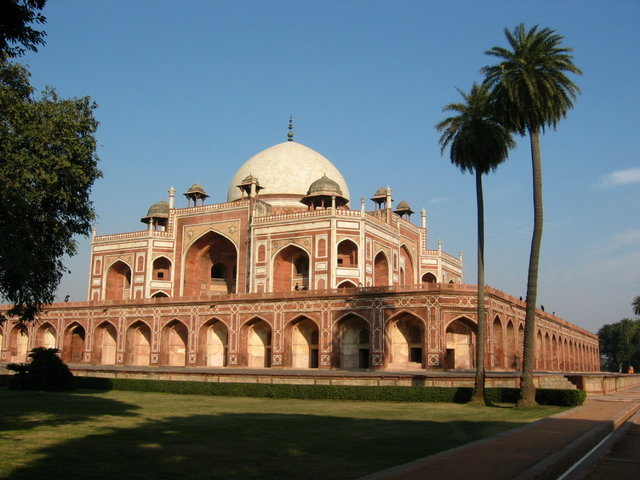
column 347, row 284
column 381, row 270
column 46, row 336
column 255, row 343
column 406, row 259
column 74, row 341
column 209, row 252
column 18, row 344
column 347, row 254
column 160, row 294
column 353, row 338
column 162, row 268
column 429, row 278
column 460, row 341
column 213, row 342
column 138, row 344
column 105, row 341
column 174, row 340
column 291, row 265
column 497, row 343
column 510, row 347
column 301, row 342
column 118, row 281
column 405, row 338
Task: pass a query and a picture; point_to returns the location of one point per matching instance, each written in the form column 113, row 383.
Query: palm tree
column 531, row 91
column 478, row 144
column 635, row 304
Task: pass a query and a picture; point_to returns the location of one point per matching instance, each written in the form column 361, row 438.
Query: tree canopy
column 620, row 345
column 16, row 34
column 47, row 167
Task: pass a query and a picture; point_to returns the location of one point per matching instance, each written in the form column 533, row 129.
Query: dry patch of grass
column 132, row 435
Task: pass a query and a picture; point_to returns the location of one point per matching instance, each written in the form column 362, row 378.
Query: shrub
column 45, row 371
column 326, row 392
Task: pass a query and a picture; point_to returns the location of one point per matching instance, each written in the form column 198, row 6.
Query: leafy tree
column 48, row 165
column 45, row 371
column 478, row 144
column 635, row 304
column 620, row 345
column 15, row 33
column 531, row 92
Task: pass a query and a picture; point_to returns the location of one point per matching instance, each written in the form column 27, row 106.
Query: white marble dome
column 286, row 171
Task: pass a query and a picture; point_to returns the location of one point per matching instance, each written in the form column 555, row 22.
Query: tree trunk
column 527, row 388
column 478, row 394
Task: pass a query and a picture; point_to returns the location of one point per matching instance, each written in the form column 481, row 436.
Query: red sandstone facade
column 292, row 277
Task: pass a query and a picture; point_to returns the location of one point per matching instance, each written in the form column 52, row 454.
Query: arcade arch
column 104, row 344
column 46, row 336
column 138, row 344
column 347, row 254
column 173, row 344
column 353, row 342
column 213, row 341
column 18, row 345
column 255, row 338
column 302, row 336
column 74, row 338
column 460, row 344
column 405, row 337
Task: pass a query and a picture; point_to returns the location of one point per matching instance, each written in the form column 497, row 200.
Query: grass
column 133, row 435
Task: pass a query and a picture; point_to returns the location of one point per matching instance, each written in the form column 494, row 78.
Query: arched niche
column 118, row 280
column 138, row 344
column 46, row 336
column 291, row 269
column 301, row 343
column 74, row 340
column 104, row 344
column 213, row 339
column 347, row 254
column 429, row 278
column 255, row 341
column 407, row 277
column 162, row 268
column 18, row 345
column 173, row 344
column 405, row 336
column 380, row 270
column 497, row 342
column 460, row 338
column 353, row 338
column 211, row 253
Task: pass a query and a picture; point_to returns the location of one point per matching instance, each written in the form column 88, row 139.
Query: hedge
column 329, row 392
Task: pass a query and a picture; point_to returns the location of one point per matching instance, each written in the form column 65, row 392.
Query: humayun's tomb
column 288, row 274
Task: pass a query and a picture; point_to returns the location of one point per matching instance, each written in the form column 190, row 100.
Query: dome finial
column 290, row 134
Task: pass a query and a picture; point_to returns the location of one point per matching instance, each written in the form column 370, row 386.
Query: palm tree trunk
column 478, row 394
column 527, row 388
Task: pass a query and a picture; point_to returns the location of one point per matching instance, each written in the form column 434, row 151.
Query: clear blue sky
column 189, row 90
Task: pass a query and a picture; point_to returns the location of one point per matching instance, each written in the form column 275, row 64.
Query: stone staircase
column 554, row 381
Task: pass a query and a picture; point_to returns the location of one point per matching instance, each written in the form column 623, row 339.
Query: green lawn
column 132, row 435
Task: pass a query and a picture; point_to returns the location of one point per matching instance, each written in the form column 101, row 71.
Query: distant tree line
column 620, row 343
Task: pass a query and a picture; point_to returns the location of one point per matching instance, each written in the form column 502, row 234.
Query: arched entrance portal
column 302, row 336
column 353, row 343
column 291, row 269
column 212, row 344
column 104, row 346
column 138, row 350
column 73, row 343
column 256, row 339
column 173, row 344
column 210, row 266
column 405, row 335
column 460, row 338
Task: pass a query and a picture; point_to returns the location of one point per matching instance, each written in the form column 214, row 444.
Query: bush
column 45, row 371
column 327, row 392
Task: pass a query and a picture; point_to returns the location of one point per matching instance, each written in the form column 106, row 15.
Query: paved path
column 542, row 450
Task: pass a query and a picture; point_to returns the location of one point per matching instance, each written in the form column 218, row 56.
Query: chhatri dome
column 285, row 172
